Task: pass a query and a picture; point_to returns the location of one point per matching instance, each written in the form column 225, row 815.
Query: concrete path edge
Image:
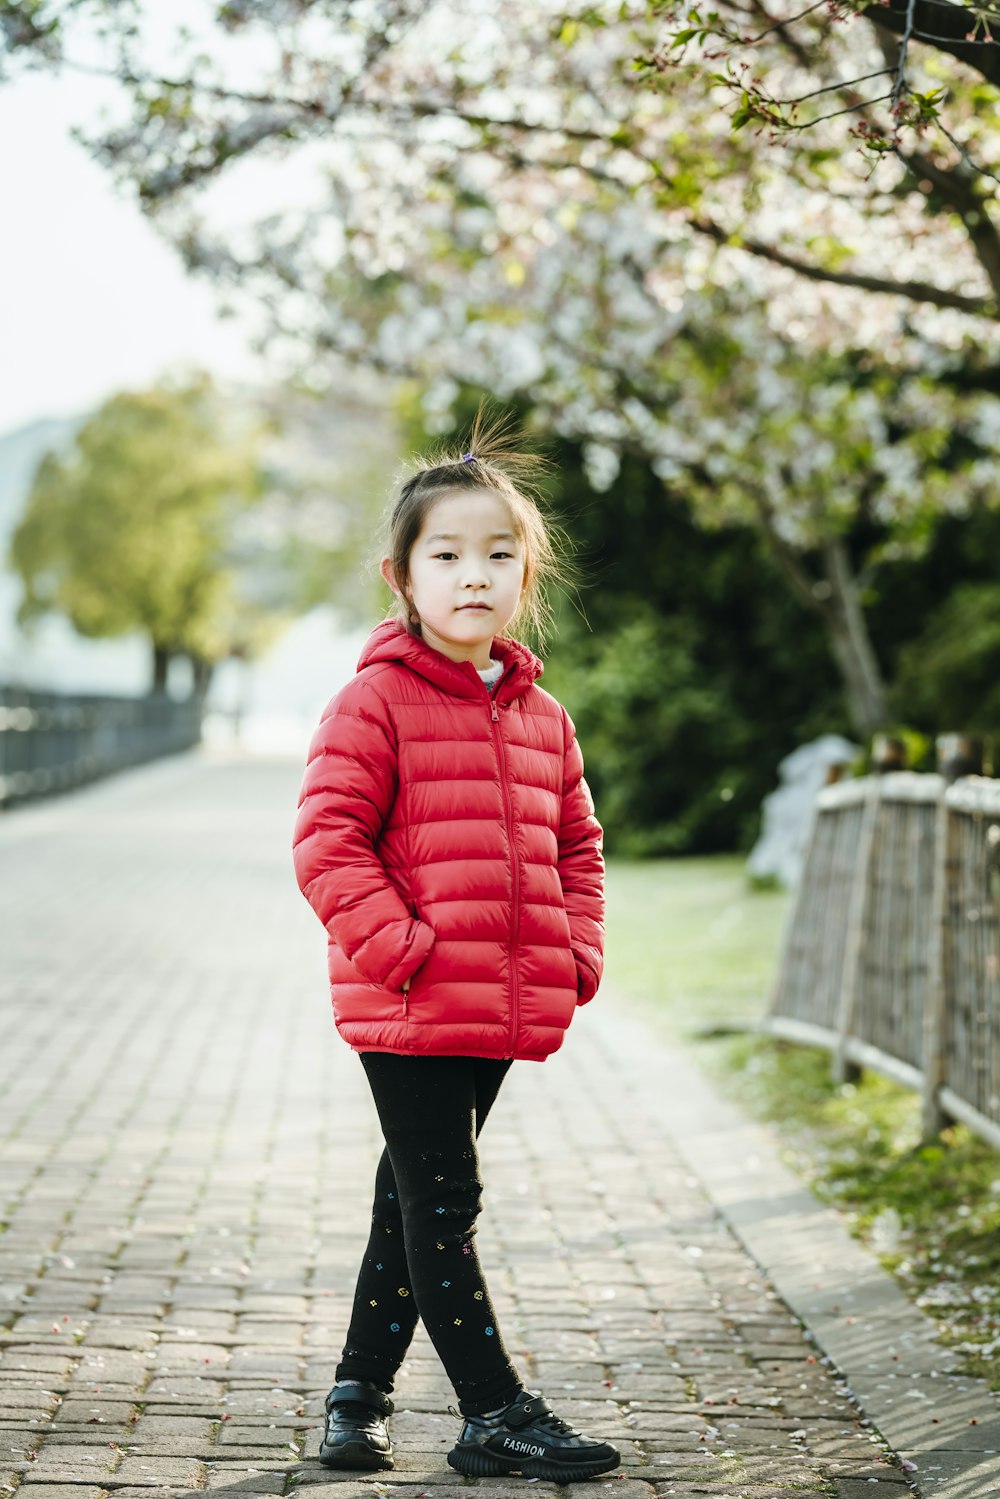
column 944, row 1426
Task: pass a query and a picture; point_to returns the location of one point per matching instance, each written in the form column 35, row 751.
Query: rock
column 787, row 812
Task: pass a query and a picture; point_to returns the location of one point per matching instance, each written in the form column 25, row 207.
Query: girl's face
column 466, row 574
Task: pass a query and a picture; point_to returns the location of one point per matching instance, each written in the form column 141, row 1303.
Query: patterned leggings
column 421, row 1258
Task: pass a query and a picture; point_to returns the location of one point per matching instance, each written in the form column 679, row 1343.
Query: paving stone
column 62, row 1490
column 351, row 1486
column 23, row 1401
column 152, row 1428
column 738, row 1490
column 153, row 1491
column 85, row 1409
column 891, row 1484
column 183, row 1386
column 201, row 1324
column 145, row 1470
column 188, row 1207
column 116, row 1333
column 108, row 1366
column 241, row 1483
column 75, row 1460
column 14, row 1364
column 234, row 1434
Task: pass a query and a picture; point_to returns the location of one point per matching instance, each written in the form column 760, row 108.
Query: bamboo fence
column 891, row 954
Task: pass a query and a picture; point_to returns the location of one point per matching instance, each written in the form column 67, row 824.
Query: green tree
column 689, row 669
column 132, row 527
column 939, row 615
column 951, row 673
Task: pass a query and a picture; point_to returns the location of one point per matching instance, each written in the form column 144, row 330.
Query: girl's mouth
column 484, row 607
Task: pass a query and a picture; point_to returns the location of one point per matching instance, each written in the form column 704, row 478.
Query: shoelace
column 550, row 1421
column 555, row 1424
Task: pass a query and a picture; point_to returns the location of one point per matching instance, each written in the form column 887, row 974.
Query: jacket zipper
column 515, row 874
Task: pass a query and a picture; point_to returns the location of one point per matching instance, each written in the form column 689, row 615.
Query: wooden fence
column 51, row 741
column 891, row 954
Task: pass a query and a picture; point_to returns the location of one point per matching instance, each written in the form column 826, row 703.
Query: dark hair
column 490, row 459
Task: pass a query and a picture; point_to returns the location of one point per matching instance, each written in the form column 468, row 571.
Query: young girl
column 446, row 838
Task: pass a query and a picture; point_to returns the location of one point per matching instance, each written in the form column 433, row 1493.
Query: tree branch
column 913, row 291
column 948, row 25
column 788, row 559
column 963, row 152
column 958, row 190
column 783, row 24
column 228, row 142
column 956, row 185
column 900, row 81
column 782, row 29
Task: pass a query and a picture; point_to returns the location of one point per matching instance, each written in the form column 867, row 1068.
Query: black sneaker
column 528, row 1438
column 356, row 1435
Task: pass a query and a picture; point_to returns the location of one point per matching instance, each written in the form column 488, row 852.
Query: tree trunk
column 161, row 663
column 201, row 675
column 835, row 599
column 851, row 644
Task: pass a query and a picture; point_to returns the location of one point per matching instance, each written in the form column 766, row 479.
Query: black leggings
column 421, row 1257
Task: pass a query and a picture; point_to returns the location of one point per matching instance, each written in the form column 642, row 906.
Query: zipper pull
column 493, row 705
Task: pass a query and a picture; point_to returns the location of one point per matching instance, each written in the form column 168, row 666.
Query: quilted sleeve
column 581, row 869
column 349, row 787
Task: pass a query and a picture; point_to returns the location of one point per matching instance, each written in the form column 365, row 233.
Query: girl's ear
column 388, row 573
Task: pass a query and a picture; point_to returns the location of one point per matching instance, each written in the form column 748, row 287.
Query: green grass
column 691, row 939
column 692, row 945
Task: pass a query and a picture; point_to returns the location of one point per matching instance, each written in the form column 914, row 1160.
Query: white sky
column 91, row 299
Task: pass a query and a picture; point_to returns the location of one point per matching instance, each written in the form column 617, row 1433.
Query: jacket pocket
column 421, row 939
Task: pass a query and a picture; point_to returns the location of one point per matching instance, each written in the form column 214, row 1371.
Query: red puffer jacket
column 447, row 836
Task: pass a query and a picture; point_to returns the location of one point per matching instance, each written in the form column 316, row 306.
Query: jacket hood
column 392, row 641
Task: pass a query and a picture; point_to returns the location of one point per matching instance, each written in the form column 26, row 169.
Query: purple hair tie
column 468, row 457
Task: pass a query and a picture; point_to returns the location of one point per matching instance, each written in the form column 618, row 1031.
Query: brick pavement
column 187, row 1151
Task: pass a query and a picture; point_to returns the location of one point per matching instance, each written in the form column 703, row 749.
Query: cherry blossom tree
column 528, row 198
column 886, row 109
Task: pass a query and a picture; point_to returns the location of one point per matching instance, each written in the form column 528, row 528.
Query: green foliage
column 686, row 667
column 938, row 615
column 130, row 528
column 752, row 60
column 664, row 745
column 950, row 674
column 690, row 670
column 693, row 672
column 859, row 1145
column 690, row 940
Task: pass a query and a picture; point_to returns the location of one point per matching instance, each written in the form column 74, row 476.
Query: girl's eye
column 447, row 556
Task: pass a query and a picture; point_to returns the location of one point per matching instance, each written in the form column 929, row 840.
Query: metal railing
column 51, row 741
column 891, row 954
